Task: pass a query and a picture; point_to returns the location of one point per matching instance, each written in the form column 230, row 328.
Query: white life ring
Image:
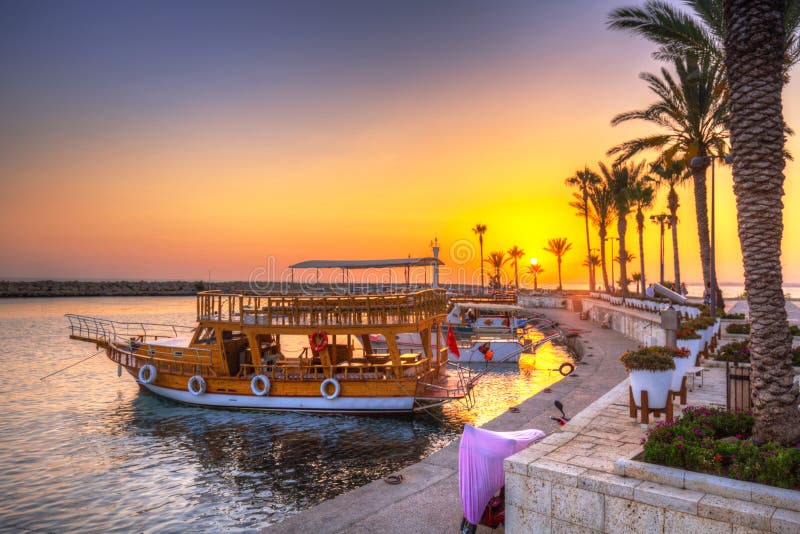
column 337, row 388
column 147, row 374
column 259, row 385
column 196, row 385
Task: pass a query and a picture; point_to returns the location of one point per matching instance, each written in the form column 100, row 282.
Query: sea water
column 86, row 450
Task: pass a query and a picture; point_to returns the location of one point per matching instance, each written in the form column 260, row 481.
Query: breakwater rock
column 76, row 288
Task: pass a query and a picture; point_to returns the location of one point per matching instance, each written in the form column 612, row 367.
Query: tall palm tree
column 621, row 179
column 480, row 229
column 754, row 54
column 671, row 174
column 516, row 253
column 535, row 271
column 692, row 115
column 642, row 196
column 602, row 201
column 700, row 32
column 558, row 246
column 583, row 179
column 497, row 259
column 592, row 262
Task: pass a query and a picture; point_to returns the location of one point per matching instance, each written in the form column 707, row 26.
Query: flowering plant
column 711, row 440
column 649, row 359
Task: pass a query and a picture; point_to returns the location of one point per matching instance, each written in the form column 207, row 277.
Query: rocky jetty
column 76, row 288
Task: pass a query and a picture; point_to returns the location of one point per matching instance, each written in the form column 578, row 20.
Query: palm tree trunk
column 640, row 227
column 603, row 257
column 672, row 199
column 701, row 212
column 516, row 274
column 480, row 240
column 754, row 54
column 559, row 273
column 622, row 226
column 588, row 245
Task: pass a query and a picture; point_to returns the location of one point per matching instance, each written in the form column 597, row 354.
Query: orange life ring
column 318, row 340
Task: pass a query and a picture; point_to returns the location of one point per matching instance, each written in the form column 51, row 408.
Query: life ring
column 337, row 388
column 196, row 385
column 259, row 385
column 147, row 374
column 569, row 367
column 318, row 340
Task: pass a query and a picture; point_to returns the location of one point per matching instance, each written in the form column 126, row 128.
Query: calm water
column 86, row 450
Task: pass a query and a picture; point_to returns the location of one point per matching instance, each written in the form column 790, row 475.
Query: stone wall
column 641, row 326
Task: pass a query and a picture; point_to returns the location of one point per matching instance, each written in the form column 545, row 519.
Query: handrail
column 107, row 330
column 314, row 310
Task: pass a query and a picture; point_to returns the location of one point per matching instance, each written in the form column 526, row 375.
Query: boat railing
column 107, row 331
column 173, row 360
column 313, row 310
column 350, row 370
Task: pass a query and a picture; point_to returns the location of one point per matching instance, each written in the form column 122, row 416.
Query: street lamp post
column 712, row 272
column 661, row 219
column 613, row 281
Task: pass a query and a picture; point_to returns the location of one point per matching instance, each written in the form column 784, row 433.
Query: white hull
column 307, row 404
column 505, row 350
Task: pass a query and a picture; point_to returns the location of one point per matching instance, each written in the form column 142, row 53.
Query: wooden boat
column 235, row 358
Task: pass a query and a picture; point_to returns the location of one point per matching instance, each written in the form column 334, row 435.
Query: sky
column 196, row 139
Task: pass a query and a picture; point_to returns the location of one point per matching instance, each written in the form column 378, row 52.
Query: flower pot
column 682, row 365
column 656, row 383
column 694, row 346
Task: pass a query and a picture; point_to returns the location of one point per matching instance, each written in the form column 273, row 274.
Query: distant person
column 650, row 291
column 684, row 291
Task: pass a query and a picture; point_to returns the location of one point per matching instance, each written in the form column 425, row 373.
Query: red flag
column 452, row 344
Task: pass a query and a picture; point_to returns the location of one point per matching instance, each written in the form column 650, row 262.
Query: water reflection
column 86, row 450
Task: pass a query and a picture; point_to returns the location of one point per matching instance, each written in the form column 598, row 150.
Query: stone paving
column 428, row 499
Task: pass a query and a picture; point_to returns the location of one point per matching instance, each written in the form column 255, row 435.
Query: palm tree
column 592, row 262
column 480, row 229
column 642, row 196
column 671, row 174
column 678, row 33
column 582, row 179
column 497, row 259
column 558, row 247
column 602, row 201
column 516, row 253
column 692, row 113
column 621, row 180
column 754, row 54
column 535, row 271
column 637, row 277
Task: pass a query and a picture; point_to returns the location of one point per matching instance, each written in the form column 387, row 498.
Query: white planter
column 656, row 383
column 694, row 346
column 682, row 365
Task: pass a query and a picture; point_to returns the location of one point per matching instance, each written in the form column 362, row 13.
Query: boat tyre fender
column 147, row 374
column 259, row 385
column 566, row 368
column 323, row 388
column 318, row 340
column 196, row 385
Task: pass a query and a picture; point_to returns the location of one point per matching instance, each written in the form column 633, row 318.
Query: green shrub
column 738, row 352
column 650, row 358
column 738, row 316
column 714, row 441
column 738, row 328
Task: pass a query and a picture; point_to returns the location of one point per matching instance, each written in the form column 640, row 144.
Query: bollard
column 670, row 323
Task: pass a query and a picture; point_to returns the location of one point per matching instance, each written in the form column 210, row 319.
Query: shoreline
column 428, row 500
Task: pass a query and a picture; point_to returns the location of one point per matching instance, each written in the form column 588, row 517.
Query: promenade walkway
column 428, row 499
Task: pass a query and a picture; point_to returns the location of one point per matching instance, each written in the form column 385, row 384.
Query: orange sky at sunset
column 338, row 170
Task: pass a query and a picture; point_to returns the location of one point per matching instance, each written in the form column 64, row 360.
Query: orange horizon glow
column 376, row 171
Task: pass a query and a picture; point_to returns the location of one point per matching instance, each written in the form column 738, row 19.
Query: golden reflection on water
column 86, row 448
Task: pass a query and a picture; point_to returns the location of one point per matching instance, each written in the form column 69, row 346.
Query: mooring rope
column 73, row 364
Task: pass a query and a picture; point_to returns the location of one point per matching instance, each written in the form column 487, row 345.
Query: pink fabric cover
column 480, row 465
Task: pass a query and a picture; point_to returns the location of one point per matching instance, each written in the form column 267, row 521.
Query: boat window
column 207, row 336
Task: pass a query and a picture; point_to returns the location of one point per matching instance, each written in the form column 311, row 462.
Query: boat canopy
column 491, row 307
column 367, row 264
